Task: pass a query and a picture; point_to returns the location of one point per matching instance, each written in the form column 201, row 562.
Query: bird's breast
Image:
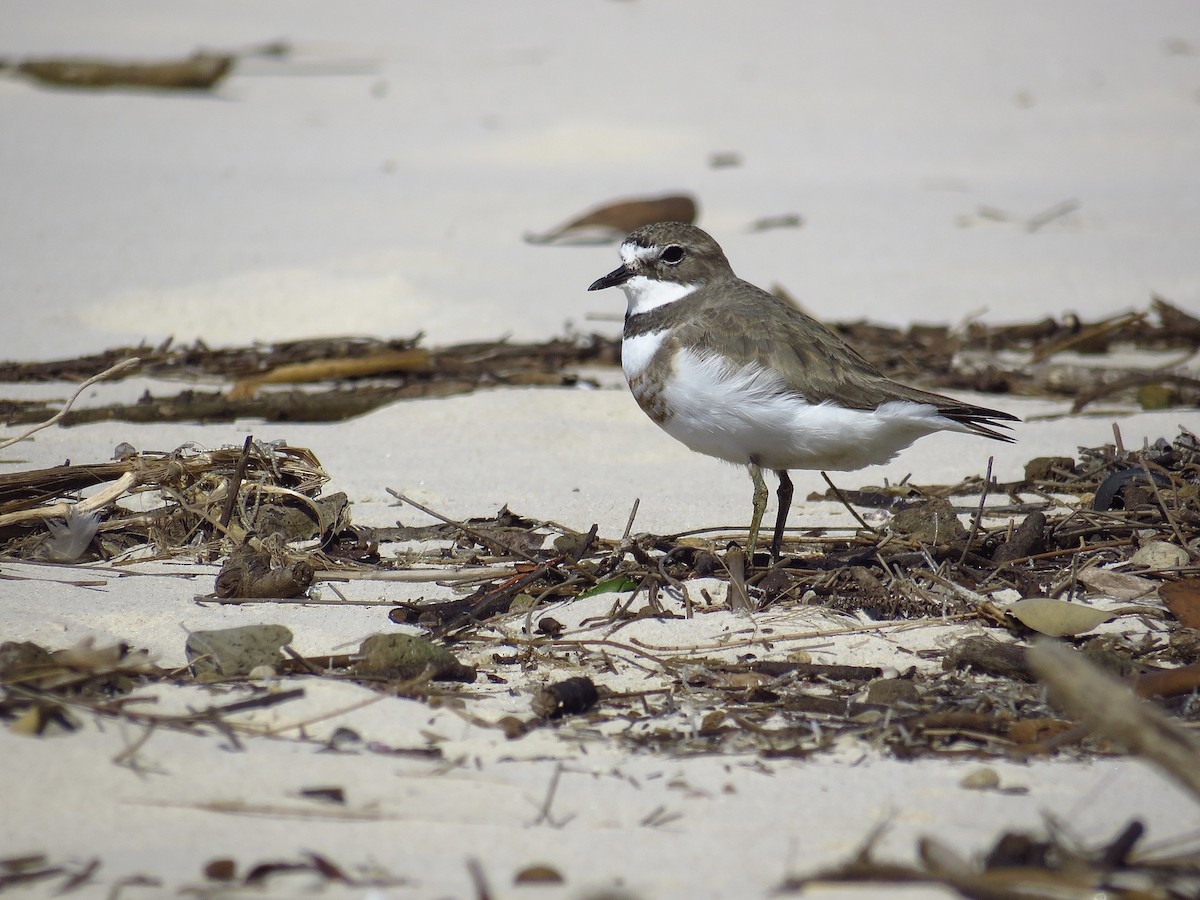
column 646, row 360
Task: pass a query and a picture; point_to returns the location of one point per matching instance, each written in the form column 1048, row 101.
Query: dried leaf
column 1183, row 600
column 1116, row 584
column 539, row 875
column 198, row 72
column 1056, row 618
column 615, row 220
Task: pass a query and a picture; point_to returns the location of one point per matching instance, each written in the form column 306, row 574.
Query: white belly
column 743, row 416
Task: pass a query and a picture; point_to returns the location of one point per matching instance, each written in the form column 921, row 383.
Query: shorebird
column 735, row 372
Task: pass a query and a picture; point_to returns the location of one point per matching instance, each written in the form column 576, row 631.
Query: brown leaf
column 1169, row 682
column 198, row 72
column 538, row 875
column 222, row 869
column 1183, row 600
column 615, row 220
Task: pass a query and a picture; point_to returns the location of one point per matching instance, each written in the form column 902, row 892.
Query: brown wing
column 815, row 363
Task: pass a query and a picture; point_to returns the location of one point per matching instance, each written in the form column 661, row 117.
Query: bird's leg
column 760, row 504
column 785, row 505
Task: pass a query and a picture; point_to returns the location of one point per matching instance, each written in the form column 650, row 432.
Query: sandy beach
column 943, row 163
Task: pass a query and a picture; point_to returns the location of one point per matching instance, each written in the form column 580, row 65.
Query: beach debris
column 565, row 698
column 932, row 522
column 1183, row 600
column 539, row 874
column 385, row 361
column 616, row 585
column 724, row 160
column 1031, row 223
column 1112, row 711
column 408, row 656
column 1158, row 555
column 1118, row 585
column 988, row 656
column 221, row 869
column 204, row 499
column 230, row 652
column 113, row 371
column 199, row 72
column 1041, row 468
column 377, row 372
column 1057, row 618
column 984, row 778
column 369, row 373
column 369, row 875
column 39, row 688
column 1024, row 864
column 69, row 536
column 770, row 223
column 252, row 571
column 325, row 794
column 1126, row 488
column 65, row 877
column 1163, row 683
column 1032, row 544
column 1026, row 539
column 612, row 221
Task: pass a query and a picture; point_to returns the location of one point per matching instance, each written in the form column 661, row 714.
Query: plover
column 735, row 372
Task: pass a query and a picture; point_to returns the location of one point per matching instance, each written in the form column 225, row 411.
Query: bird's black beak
column 612, row 279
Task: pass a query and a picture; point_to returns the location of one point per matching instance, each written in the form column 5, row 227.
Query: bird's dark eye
column 672, row 256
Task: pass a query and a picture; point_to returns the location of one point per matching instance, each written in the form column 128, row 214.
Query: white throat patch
column 645, row 294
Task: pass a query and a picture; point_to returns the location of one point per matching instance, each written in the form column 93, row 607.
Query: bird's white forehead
column 633, row 253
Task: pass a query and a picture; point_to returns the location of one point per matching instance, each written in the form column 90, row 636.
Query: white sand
column 380, row 184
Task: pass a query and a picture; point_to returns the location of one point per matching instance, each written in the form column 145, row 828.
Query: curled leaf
column 611, row 586
column 1056, row 618
column 613, row 221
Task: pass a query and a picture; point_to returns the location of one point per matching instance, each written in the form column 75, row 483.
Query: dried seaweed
column 198, row 500
column 1002, row 359
column 1073, row 529
column 1042, row 864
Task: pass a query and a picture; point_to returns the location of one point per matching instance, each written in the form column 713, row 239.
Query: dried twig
column 846, row 503
column 107, row 373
